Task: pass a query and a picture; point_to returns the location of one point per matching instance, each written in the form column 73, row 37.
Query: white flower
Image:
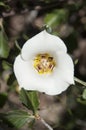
column 44, row 65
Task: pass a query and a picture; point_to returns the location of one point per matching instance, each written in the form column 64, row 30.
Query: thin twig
column 80, row 81
column 17, row 45
column 47, row 125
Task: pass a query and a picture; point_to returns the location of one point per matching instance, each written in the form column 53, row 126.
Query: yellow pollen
column 44, row 63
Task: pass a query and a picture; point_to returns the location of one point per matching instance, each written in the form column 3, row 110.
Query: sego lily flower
column 44, row 65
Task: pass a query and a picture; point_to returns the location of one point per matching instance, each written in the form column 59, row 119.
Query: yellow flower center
column 44, row 63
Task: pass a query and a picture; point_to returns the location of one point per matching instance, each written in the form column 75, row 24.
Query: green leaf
column 2, row 4
column 29, row 99
column 19, row 118
column 56, row 17
column 81, row 101
column 4, row 48
column 6, row 65
column 84, row 94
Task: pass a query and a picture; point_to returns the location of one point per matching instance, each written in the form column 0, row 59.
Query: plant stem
column 80, row 81
column 47, row 125
column 17, row 45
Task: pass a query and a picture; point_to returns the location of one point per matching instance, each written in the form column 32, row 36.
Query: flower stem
column 47, row 125
column 80, row 81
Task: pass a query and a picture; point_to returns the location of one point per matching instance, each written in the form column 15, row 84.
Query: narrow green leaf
column 2, row 4
column 19, row 118
column 81, row 101
column 4, row 48
column 84, row 94
column 29, row 99
column 6, row 65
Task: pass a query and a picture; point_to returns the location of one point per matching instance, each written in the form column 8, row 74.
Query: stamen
column 44, row 63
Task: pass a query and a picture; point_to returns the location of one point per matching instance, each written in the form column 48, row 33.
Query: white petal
column 42, row 43
column 30, row 80
column 65, row 67
column 57, row 87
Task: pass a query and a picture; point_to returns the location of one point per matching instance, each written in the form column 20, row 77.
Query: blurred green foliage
column 84, row 94
column 4, row 48
column 56, row 17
